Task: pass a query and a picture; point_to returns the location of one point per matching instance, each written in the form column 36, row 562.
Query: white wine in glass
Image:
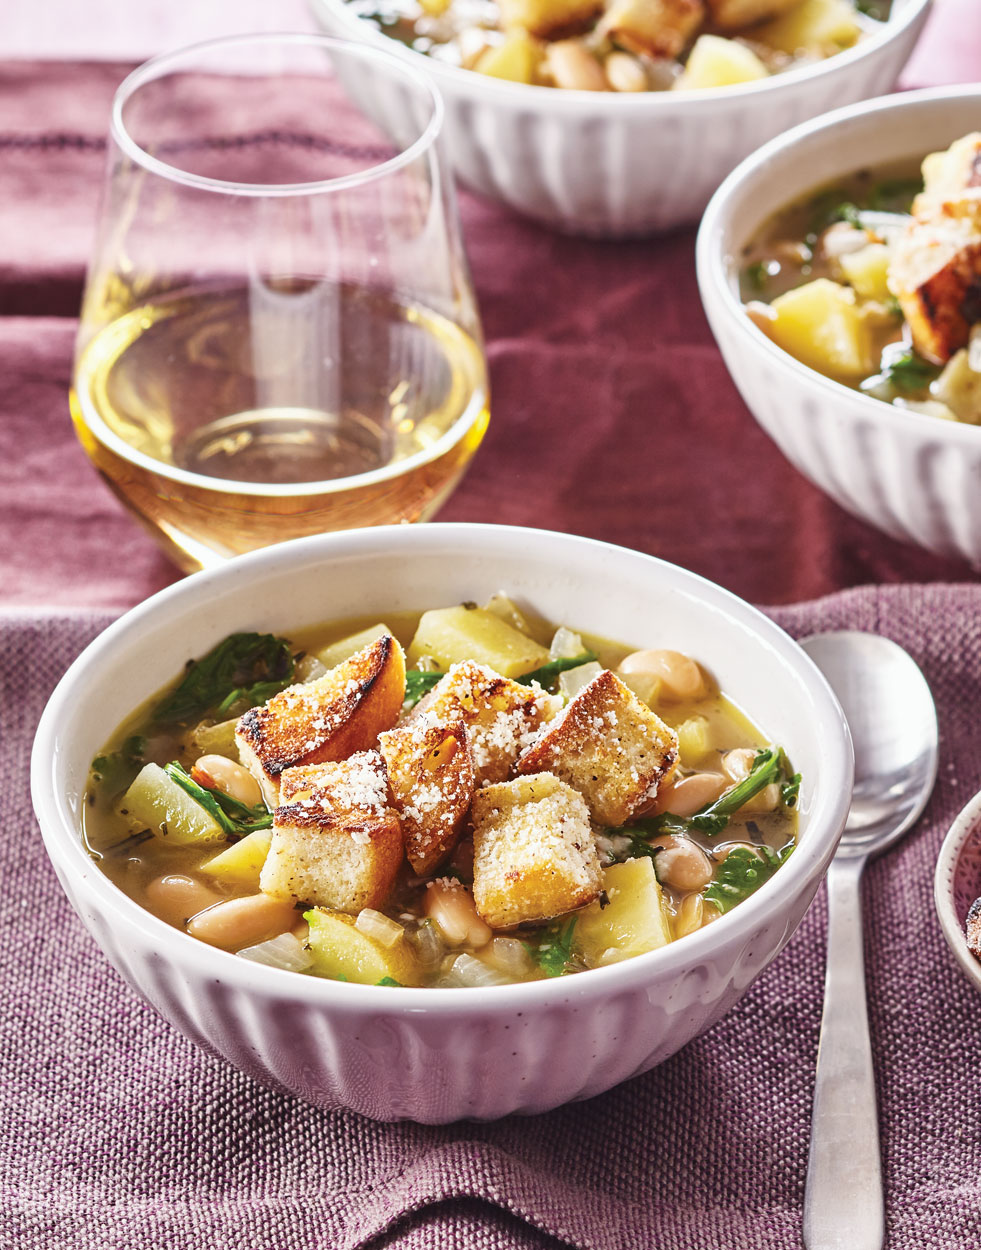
column 279, row 334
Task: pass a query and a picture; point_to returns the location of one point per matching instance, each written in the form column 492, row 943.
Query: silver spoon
column 893, row 722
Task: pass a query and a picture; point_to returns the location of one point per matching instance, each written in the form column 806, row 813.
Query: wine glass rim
column 159, row 66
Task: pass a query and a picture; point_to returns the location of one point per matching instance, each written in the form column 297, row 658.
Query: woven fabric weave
column 118, row 1134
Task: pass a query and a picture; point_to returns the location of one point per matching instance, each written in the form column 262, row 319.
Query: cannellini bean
column 689, row 915
column 680, row 677
column 176, row 897
column 239, row 922
column 842, row 238
column 574, row 67
column 451, row 906
column 681, row 864
column 688, row 795
column 738, row 764
column 624, row 72
column 725, row 850
column 215, row 772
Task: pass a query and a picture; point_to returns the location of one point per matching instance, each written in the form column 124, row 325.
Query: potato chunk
column 156, row 802
column 452, row 635
column 819, row 323
column 341, row 951
column 718, row 62
column 634, row 921
column 324, row 720
column 820, row 27
column 534, row 853
column 242, row 863
column 516, row 59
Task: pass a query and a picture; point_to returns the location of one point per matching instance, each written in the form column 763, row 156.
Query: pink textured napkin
column 118, row 1134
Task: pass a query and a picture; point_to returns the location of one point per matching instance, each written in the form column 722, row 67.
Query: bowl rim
column 713, row 258
column 65, row 848
column 895, row 25
column 964, row 825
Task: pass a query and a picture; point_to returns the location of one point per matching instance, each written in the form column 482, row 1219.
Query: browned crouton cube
column 609, row 746
column 336, row 843
column 324, row 720
column 534, row 854
column 935, row 273
column 658, row 28
column 431, row 777
column 548, row 18
column 952, row 183
column 735, row 14
column 501, row 716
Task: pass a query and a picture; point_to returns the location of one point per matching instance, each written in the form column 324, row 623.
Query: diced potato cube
column 206, row 739
column 694, row 740
column 434, row 8
column 156, row 802
column 452, row 635
column 816, row 26
column 340, row 950
column 337, row 652
column 819, row 323
column 242, row 863
column 718, row 62
column 867, row 270
column 544, row 17
column 505, row 607
column 634, row 921
column 959, row 387
column 516, row 59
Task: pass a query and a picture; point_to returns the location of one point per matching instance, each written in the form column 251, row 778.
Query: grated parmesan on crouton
column 609, row 746
column 501, row 716
column 336, row 843
column 324, row 720
column 534, row 854
column 431, row 777
column 935, row 273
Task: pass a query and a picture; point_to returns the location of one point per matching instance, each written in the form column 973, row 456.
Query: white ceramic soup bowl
column 913, row 476
column 957, row 883
column 436, row 1055
column 609, row 164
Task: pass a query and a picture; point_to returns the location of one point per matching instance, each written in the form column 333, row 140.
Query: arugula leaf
column 895, row 195
column 547, row 674
column 389, row 981
column 118, row 768
column 713, row 818
column 236, row 819
column 417, row 685
column 790, row 790
column 554, row 949
column 246, row 668
column 910, row 373
column 741, row 872
column 757, row 275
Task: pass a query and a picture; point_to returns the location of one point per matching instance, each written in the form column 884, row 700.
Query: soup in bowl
column 385, row 1006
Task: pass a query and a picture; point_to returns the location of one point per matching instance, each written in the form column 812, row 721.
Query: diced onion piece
column 565, row 645
column 429, row 945
column 574, row 679
column 309, row 668
column 509, row 612
column 284, row 951
column 509, row 955
column 470, row 971
column 373, row 924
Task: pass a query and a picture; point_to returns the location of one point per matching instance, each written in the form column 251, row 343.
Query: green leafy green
column 116, row 769
column 768, row 767
column 418, row 684
column 389, row 981
column 790, row 790
column 894, row 308
column 547, row 675
column 245, row 669
column 553, row 952
column 910, row 373
column 894, row 195
column 236, row 819
column 743, row 871
column 757, row 275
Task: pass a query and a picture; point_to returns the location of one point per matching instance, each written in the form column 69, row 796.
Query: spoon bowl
column 893, row 722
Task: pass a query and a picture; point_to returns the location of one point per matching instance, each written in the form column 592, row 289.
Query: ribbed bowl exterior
column 435, row 1055
column 915, row 477
column 617, row 166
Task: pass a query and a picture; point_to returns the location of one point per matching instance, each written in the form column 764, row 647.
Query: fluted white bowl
column 612, row 165
column 435, row 1055
column 957, row 883
column 913, row 476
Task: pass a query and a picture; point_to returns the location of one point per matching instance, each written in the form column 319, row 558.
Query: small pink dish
column 957, row 883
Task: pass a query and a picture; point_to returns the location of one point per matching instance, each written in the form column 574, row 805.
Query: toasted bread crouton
column 336, row 843
column 935, row 273
column 431, row 778
column 534, row 853
column 324, row 720
column 607, row 745
column 658, row 28
column 548, row 18
column 735, row 14
column 952, row 183
column 501, row 716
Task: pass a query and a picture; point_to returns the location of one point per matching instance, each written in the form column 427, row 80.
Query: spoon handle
column 843, row 1204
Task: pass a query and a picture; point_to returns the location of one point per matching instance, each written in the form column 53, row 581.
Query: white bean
column 688, row 795
column 177, row 897
column 574, row 67
column 680, row 677
column 240, row 922
column 216, row 772
column 624, row 72
column 452, row 908
column 681, row 864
